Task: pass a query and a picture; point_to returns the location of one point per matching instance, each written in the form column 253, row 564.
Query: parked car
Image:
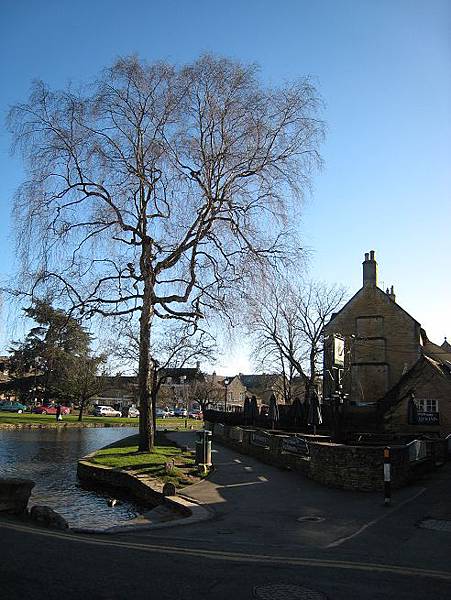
column 49, row 409
column 106, row 411
column 12, row 406
column 133, row 412
column 180, row 412
column 195, row 414
column 161, row 413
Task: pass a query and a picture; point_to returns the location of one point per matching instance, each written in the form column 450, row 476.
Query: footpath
column 248, row 500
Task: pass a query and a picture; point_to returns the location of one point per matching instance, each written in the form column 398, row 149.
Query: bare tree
column 207, row 392
column 175, row 344
column 155, row 189
column 286, row 320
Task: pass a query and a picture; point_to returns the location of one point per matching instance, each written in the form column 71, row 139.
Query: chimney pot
column 370, row 270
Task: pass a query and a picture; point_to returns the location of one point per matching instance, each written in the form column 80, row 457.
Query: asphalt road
column 253, row 547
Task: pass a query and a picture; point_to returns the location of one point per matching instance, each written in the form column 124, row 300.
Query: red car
column 49, row 409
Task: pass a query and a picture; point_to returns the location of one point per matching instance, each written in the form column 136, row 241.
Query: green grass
column 167, row 463
column 27, row 418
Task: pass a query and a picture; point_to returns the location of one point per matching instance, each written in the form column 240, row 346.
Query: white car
column 181, row 412
column 106, row 411
column 161, row 413
column 133, row 412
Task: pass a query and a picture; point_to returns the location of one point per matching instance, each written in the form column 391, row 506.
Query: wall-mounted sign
column 295, row 445
column 338, row 352
column 428, row 418
column 259, row 438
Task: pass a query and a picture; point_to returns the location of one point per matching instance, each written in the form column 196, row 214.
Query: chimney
column 391, row 294
column 369, row 270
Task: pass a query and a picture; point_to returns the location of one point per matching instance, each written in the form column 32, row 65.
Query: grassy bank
column 32, row 419
column 168, row 463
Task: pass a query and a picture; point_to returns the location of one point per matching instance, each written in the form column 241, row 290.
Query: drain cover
column 311, row 519
column 283, row 591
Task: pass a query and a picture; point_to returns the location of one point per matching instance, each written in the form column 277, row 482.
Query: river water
column 49, row 457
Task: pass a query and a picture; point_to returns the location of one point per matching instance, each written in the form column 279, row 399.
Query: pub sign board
column 428, row 418
column 338, row 351
column 295, row 445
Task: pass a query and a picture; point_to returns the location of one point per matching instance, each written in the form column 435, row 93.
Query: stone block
column 44, row 515
column 14, row 494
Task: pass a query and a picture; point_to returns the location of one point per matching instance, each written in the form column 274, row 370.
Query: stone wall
column 357, row 468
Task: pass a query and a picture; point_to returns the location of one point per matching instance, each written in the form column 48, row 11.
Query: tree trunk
column 80, row 413
column 146, row 429
column 154, row 393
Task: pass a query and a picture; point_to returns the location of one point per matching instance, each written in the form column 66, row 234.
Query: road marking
column 262, row 478
column 248, row 468
column 234, row 556
column 233, row 485
column 374, row 521
column 237, row 460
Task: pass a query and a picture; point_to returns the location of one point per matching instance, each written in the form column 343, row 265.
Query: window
column 427, row 405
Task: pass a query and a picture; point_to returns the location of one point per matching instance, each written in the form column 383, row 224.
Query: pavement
column 270, row 534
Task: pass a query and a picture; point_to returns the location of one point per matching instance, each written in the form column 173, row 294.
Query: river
column 49, row 457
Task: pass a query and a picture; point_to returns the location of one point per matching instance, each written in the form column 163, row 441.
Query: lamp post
column 183, row 380
column 226, row 383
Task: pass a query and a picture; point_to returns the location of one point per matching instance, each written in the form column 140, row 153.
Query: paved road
column 254, row 546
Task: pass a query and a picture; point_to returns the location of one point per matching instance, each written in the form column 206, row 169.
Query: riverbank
column 168, row 463
column 34, row 421
column 152, row 478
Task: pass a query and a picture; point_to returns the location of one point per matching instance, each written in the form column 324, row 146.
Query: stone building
column 228, row 393
column 384, row 348
column 263, row 386
column 428, row 385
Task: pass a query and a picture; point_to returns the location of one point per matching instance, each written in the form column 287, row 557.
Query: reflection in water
column 49, row 457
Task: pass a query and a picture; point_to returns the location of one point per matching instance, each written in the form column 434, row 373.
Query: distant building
column 122, row 391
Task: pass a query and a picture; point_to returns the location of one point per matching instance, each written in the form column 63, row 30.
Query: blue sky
column 383, row 69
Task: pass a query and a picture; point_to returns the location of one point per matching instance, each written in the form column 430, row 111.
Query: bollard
column 387, row 477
